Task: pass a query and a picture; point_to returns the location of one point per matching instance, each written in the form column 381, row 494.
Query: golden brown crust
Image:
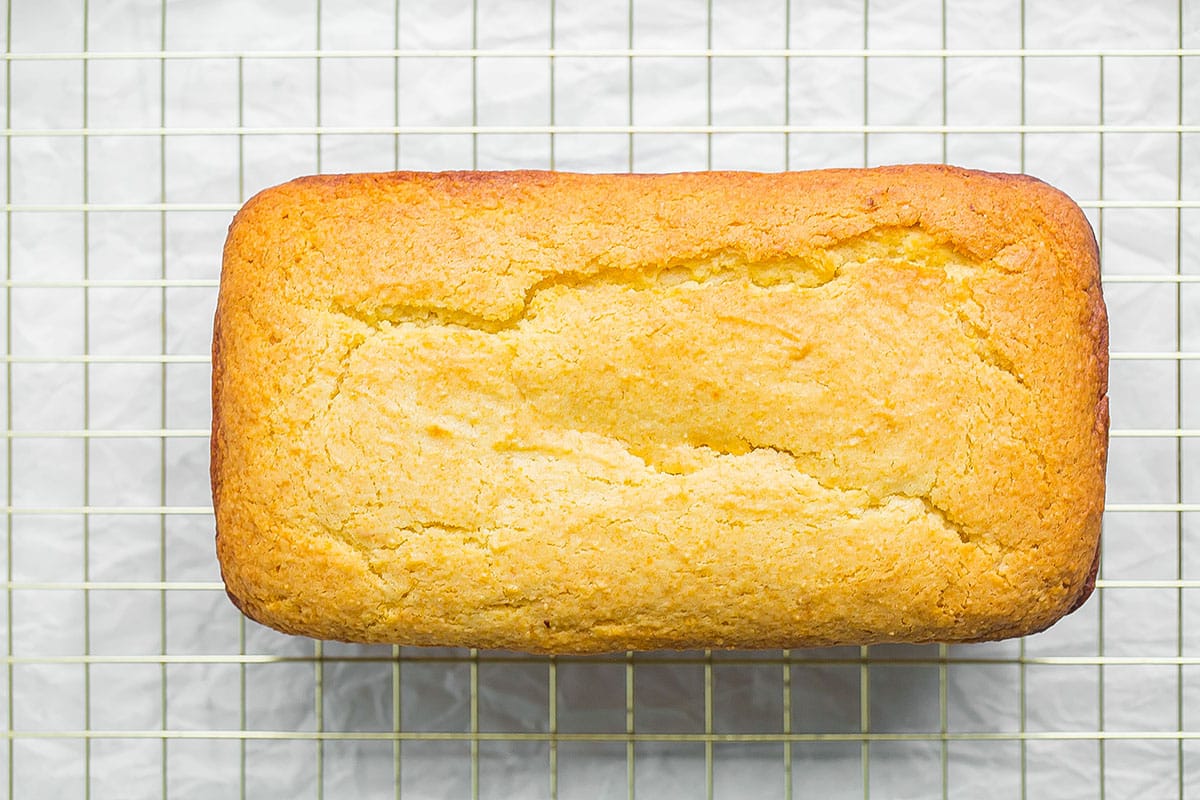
column 571, row 413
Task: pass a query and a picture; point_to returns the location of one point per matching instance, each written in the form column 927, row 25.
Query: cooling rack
column 133, row 129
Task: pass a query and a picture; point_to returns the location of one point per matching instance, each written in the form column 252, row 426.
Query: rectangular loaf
column 581, row 413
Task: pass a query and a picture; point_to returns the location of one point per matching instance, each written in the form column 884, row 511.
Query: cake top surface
column 570, row 412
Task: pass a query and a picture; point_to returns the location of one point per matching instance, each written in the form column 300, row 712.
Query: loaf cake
column 562, row 413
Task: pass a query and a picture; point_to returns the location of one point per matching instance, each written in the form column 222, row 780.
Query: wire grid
column 132, row 132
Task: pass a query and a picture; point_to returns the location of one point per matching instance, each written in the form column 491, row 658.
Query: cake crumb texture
column 571, row 413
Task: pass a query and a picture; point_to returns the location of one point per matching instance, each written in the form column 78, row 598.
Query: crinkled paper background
column 129, row 674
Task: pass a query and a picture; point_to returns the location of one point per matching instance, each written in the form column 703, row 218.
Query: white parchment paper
column 131, row 675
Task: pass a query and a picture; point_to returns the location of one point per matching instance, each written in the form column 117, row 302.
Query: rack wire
column 133, row 130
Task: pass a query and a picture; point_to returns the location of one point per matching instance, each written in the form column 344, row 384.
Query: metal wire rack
column 134, row 128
